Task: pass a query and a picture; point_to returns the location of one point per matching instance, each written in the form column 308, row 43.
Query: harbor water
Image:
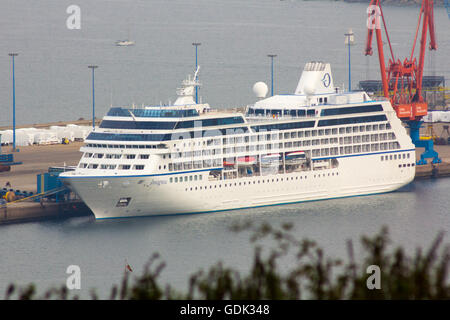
column 41, row 252
column 53, row 83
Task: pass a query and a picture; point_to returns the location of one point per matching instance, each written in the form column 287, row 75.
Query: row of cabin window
column 157, row 113
column 311, row 112
column 111, row 166
column 342, row 140
column 384, row 146
column 279, row 112
column 395, row 156
column 306, row 133
column 122, row 146
column 196, row 153
column 273, row 180
column 367, row 138
column 115, row 156
column 185, row 178
column 307, row 143
column 208, row 152
column 323, row 152
column 169, row 125
column 404, row 165
column 262, row 137
column 217, row 162
column 198, row 164
column 208, row 142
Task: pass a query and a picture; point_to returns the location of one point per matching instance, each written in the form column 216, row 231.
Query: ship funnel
column 316, row 79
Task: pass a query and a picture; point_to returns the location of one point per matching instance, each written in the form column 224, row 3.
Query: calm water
column 41, row 252
column 53, row 83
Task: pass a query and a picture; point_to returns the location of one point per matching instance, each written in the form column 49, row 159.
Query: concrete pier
column 36, row 211
column 37, row 159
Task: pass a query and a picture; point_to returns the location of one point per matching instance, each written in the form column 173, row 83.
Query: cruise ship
column 317, row 143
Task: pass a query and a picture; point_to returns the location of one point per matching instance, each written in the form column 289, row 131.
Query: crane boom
column 402, row 81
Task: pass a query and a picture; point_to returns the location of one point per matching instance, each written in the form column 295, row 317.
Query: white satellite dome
column 260, row 89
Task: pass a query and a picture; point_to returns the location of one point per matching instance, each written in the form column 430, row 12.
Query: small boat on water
column 124, row 43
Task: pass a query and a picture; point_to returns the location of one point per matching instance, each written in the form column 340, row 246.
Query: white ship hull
column 153, row 195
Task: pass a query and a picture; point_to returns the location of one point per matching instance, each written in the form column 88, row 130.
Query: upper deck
column 315, row 103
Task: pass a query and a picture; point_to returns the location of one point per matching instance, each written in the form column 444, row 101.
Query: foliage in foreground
column 312, row 276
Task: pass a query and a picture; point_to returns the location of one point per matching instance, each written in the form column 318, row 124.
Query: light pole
column 93, row 96
column 196, row 44
column 349, row 41
column 271, row 56
column 14, row 100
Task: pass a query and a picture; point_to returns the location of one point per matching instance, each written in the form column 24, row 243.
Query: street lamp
column 271, row 56
column 349, row 41
column 14, row 100
column 196, row 44
column 93, row 96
